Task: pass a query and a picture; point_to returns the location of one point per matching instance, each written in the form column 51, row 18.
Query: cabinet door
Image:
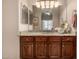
column 67, row 50
column 54, row 50
column 27, row 50
column 40, row 47
column 41, row 50
column 26, row 47
column 54, row 47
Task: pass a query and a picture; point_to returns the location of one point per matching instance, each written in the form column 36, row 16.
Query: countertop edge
column 45, row 34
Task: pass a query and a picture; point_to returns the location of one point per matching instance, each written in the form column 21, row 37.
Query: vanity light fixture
column 47, row 4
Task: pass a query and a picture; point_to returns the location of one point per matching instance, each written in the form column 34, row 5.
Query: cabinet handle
column 63, row 46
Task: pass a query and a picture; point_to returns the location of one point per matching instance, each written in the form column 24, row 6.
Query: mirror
column 48, row 16
column 23, row 18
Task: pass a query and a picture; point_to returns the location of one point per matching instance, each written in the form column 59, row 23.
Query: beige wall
column 10, row 39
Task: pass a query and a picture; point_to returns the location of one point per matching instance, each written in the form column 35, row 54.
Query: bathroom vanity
column 47, row 46
column 47, row 33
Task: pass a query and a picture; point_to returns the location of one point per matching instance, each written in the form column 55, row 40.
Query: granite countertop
column 24, row 33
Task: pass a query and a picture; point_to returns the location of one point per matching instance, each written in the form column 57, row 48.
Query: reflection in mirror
column 52, row 14
column 30, row 17
column 47, row 22
column 49, row 15
column 35, row 24
column 74, row 19
column 24, row 15
column 30, row 21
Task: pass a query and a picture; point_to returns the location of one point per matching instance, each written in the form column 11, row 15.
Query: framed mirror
column 49, row 16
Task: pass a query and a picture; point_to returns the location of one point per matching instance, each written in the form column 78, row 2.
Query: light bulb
column 38, row 4
column 42, row 4
column 51, row 4
column 47, row 4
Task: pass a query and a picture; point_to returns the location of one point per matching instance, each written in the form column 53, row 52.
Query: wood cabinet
column 40, row 47
column 54, row 47
column 48, row 47
column 26, row 47
column 28, row 50
column 68, row 48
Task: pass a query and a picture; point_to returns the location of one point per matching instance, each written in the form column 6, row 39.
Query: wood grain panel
column 28, row 50
column 48, row 47
column 67, row 49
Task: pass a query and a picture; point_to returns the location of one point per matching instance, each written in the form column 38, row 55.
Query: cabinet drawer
column 42, row 38
column 26, row 39
column 54, row 38
column 68, row 38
